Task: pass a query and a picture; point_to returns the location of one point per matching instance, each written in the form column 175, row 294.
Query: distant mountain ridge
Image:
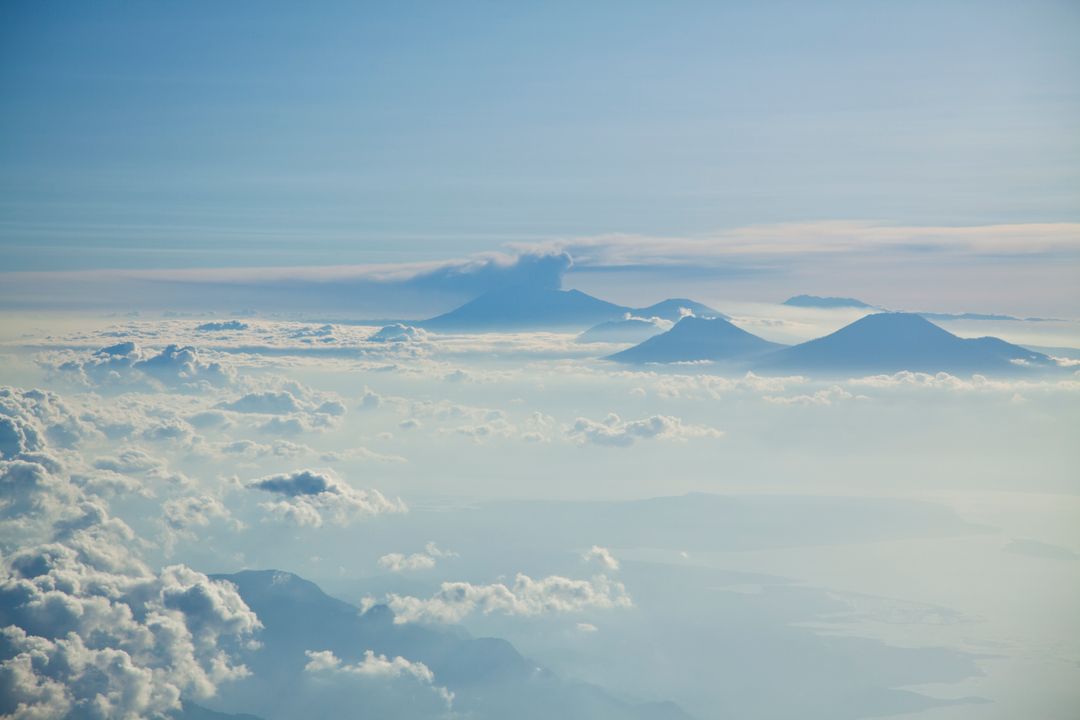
column 490, row 679
column 816, row 301
column 880, row 342
column 535, row 308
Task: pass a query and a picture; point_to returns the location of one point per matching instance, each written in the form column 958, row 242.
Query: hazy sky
column 232, row 134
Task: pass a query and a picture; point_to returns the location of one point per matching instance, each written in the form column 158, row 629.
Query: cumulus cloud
column 131, row 469
column 601, row 556
column 614, row 431
column 825, row 396
column 289, row 409
column 324, row 662
column 88, row 629
column 308, row 497
column 975, row 383
column 400, row 562
column 87, row 642
column 31, row 418
column 126, row 364
column 222, row 326
column 398, row 333
column 525, row 596
column 181, row 516
column 269, row 402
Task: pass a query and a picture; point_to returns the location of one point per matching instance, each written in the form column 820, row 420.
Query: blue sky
column 211, row 134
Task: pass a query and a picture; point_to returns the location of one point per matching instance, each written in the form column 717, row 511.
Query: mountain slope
column 526, row 309
column 675, row 308
column 892, row 342
column 488, row 677
column 695, row 338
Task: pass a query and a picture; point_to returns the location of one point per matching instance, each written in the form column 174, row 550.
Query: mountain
column 695, row 338
column 675, row 308
column 489, row 678
column 630, row 330
column 981, row 316
column 814, row 301
column 528, row 309
column 536, row 308
column 892, row 342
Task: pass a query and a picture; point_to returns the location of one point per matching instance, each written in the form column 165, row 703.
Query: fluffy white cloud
column 182, row 515
column 95, row 643
column 308, row 497
column 222, row 326
column 30, row 419
column 88, row 630
column 976, row 383
column 526, row 596
column 398, row 333
column 126, row 364
column 617, row 432
column 268, row 402
column 375, row 666
column 825, row 396
column 400, row 562
column 601, row 556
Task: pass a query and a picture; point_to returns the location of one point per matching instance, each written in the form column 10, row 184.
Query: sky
column 313, row 392
column 202, row 135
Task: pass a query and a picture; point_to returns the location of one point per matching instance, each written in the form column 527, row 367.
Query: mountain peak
column 697, row 338
column 896, row 341
column 527, row 308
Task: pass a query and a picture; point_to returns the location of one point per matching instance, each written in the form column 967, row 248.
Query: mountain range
column 489, row 678
column 881, row 342
column 532, row 308
column 815, row 301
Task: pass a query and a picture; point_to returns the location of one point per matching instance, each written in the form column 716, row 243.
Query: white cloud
column 309, row 497
column 601, row 556
column 127, row 365
column 400, row 562
column 92, row 631
column 825, row 396
column 398, row 333
column 615, row 431
column 526, row 596
column 324, row 662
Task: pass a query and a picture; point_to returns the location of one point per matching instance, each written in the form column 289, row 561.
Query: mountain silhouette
column 695, row 338
column 892, row 342
column 677, row 308
column 528, row 309
column 489, row 678
column 540, row 308
column 815, row 301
